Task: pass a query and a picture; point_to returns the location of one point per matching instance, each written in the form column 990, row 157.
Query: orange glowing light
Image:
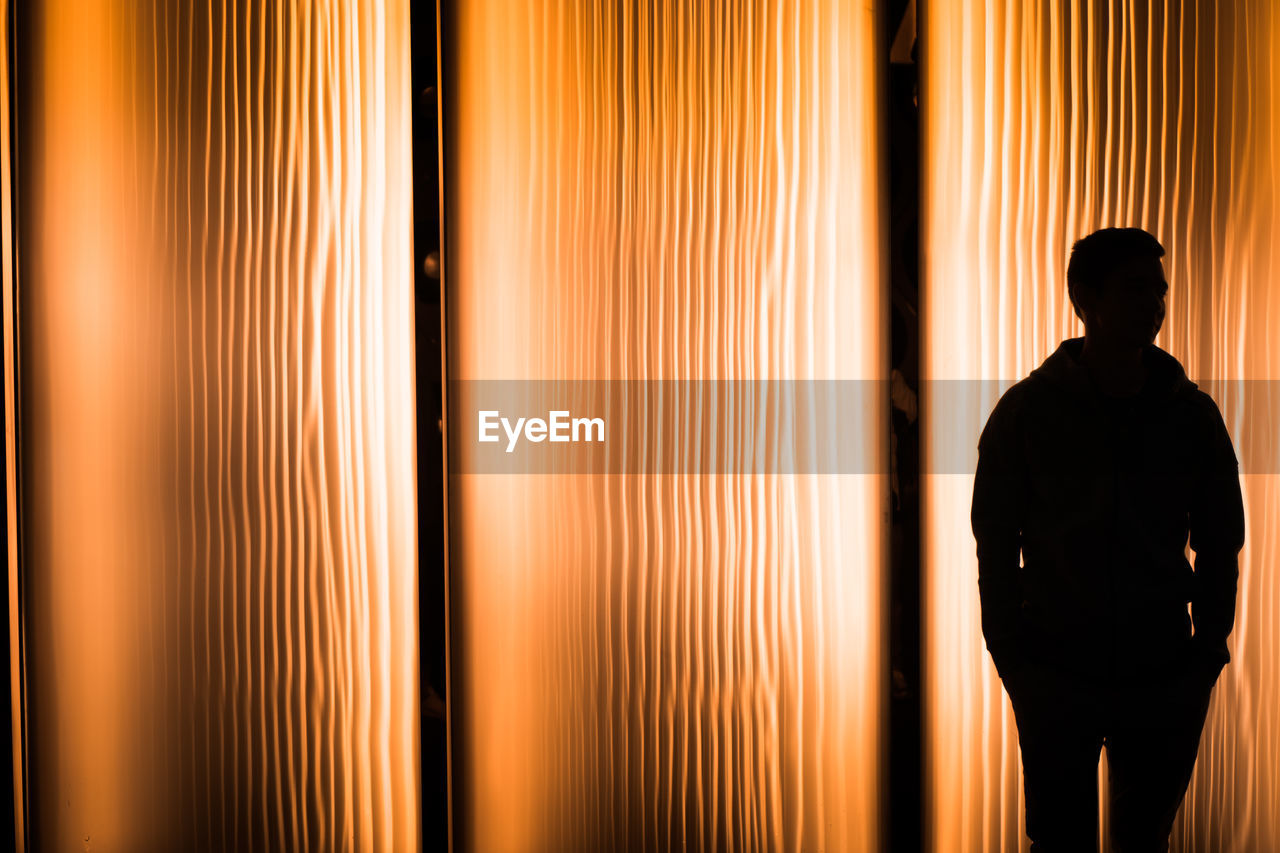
column 1041, row 124
column 208, row 367
column 666, row 191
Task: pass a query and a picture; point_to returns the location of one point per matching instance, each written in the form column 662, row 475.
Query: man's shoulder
column 1023, row 396
column 1007, row 416
column 1201, row 404
column 1209, row 428
column 1196, row 410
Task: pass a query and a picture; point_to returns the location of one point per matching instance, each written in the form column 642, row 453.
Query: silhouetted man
column 1094, row 470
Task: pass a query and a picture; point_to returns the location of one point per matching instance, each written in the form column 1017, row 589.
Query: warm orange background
column 1041, row 123
column 662, row 191
column 215, row 406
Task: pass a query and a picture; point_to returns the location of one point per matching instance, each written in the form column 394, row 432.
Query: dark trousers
column 1151, row 733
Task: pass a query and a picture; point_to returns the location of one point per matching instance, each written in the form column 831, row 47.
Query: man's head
column 1116, row 283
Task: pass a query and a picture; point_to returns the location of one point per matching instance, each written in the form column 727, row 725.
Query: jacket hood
column 1165, row 376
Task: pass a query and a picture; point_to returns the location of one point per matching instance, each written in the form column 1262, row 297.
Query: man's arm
column 999, row 497
column 1216, row 521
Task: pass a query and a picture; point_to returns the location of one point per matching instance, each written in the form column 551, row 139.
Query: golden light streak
column 666, row 191
column 1041, row 124
column 10, row 435
column 215, row 403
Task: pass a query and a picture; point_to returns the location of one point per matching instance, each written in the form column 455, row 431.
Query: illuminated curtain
column 1044, row 122
column 214, row 556
column 665, row 191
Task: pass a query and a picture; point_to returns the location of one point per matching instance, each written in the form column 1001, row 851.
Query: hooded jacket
column 1099, row 496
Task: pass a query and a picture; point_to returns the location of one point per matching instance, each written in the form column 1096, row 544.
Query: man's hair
column 1096, row 255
